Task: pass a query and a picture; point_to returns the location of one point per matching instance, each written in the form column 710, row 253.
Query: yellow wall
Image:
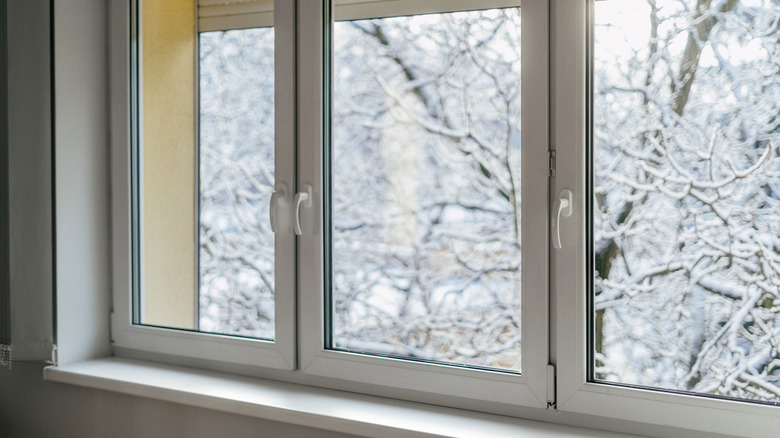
column 169, row 192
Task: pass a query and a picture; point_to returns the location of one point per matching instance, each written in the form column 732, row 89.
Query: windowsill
column 297, row 404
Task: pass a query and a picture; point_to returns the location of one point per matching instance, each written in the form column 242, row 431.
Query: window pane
column 207, row 172
column 686, row 196
column 236, row 253
column 426, row 188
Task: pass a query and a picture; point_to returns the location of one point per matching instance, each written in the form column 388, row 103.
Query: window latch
column 563, row 207
column 301, row 198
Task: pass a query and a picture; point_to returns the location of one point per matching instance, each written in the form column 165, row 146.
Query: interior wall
column 30, row 407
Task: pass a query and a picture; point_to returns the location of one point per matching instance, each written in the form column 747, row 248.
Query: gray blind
column 26, row 279
column 242, row 14
column 5, row 277
column 234, row 14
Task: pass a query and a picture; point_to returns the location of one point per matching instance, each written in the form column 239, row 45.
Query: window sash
column 170, row 344
column 575, row 394
column 528, row 389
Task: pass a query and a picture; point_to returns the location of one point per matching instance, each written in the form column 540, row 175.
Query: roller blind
column 26, row 257
column 234, row 14
column 5, row 282
column 242, row 14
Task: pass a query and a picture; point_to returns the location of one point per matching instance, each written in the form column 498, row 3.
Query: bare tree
column 426, row 203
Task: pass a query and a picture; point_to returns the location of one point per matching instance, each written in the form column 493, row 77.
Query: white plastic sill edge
column 298, row 404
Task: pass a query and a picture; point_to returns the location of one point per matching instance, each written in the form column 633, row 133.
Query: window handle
column 278, row 199
column 304, row 198
column 563, row 207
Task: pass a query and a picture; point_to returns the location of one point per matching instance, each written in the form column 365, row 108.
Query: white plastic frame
column 130, row 339
column 528, row 389
column 569, row 51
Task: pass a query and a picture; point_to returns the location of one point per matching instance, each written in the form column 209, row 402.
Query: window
column 259, row 194
column 492, row 205
column 671, row 169
column 405, row 200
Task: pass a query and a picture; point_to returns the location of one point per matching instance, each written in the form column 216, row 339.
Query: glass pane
column 236, row 253
column 426, row 188
column 686, row 193
column 207, row 174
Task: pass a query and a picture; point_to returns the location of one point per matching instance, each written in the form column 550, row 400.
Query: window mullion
column 567, row 100
column 311, row 22
column 285, row 170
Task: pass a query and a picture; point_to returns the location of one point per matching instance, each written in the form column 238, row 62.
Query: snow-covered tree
column 426, row 206
column 426, row 187
column 686, row 196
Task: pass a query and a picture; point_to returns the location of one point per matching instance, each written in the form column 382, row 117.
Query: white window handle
column 278, row 198
column 563, row 207
column 304, row 198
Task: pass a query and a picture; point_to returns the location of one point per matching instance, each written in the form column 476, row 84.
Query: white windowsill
column 297, row 404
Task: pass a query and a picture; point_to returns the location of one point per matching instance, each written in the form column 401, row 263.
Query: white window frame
column 575, row 394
